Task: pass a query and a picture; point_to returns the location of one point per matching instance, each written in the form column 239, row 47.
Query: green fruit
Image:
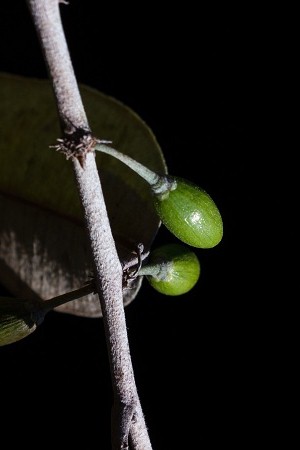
column 190, row 214
column 18, row 318
column 179, row 269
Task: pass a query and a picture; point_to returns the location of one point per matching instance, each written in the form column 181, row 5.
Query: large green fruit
column 190, row 214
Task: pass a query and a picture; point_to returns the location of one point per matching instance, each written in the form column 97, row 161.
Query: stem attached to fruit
column 159, row 271
column 54, row 302
column 160, row 184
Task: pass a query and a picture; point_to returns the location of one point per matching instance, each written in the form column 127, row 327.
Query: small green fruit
column 190, row 214
column 18, row 318
column 179, row 269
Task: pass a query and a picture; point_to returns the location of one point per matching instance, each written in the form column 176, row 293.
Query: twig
column 128, row 424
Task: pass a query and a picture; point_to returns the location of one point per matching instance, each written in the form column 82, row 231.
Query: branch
column 128, row 424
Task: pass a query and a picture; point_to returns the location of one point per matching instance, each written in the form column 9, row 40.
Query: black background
column 197, row 82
